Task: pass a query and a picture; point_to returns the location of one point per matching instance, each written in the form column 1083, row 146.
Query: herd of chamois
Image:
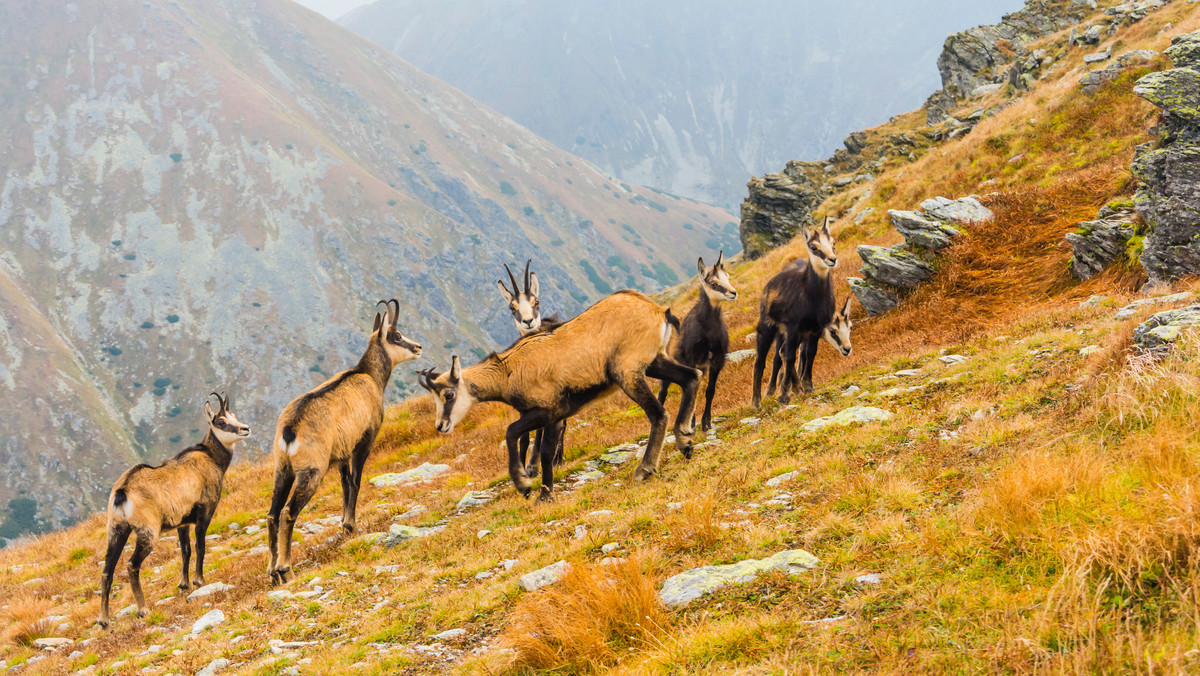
column 554, row 369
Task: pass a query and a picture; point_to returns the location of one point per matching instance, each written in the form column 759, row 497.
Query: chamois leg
column 528, row 422
column 766, row 340
column 808, row 357
column 528, row 460
column 790, row 378
column 662, row 392
column 202, row 522
column 145, row 544
column 284, row 478
column 550, row 435
column 639, row 391
column 117, row 536
column 688, row 380
column 560, row 448
column 185, row 553
column 776, row 364
column 714, row 370
column 358, row 460
column 307, row 482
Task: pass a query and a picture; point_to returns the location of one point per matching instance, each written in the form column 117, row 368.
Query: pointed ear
column 455, row 369
column 825, row 227
column 508, row 297
column 224, row 401
column 846, row 306
column 700, row 267
column 378, row 322
column 533, row 284
column 720, row 257
column 805, row 232
column 208, row 412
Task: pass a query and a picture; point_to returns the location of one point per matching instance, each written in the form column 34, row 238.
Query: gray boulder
column 876, row 299
column 1157, row 334
column 1176, row 91
column 544, row 576
column 1184, row 51
column 963, row 211
column 1097, row 244
column 688, row 586
column 1092, row 81
column 894, row 267
column 922, row 232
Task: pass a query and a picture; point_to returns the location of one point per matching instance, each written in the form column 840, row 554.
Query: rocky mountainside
column 199, row 196
column 693, row 98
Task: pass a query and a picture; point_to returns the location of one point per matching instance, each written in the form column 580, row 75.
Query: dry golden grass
column 24, row 618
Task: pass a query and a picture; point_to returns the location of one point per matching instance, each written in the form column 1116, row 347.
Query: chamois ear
column 825, row 227
column 700, row 267
column 720, row 257
column 455, row 369
column 208, row 412
column 378, row 322
column 508, row 296
column 846, row 306
column 805, row 232
column 533, row 284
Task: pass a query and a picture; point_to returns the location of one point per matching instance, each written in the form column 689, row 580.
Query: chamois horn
column 516, row 289
column 527, row 262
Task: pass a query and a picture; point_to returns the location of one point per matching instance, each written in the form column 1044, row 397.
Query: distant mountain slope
column 199, row 195
column 693, row 98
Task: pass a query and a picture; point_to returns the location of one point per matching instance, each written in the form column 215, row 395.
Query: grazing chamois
column 704, row 338
column 332, row 425
column 799, row 303
column 526, row 310
column 181, row 492
column 547, row 377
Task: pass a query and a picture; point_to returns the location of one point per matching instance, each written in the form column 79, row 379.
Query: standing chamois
column 333, row 425
column 704, row 338
column 799, row 303
column 525, row 307
column 181, row 492
column 547, row 377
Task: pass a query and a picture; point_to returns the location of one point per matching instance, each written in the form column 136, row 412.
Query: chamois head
column 398, row 348
column 821, row 254
column 224, row 425
column 524, row 305
column 838, row 331
column 451, row 398
column 714, row 281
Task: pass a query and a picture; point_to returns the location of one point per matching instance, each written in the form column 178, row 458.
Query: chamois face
column 820, row 243
column 451, row 398
column 524, row 305
column 714, row 281
column 223, row 424
column 838, row 331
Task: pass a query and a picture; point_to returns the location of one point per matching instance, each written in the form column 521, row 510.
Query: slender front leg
column 714, row 370
column 284, row 478
column 810, row 356
column 776, row 364
column 765, row 342
column 185, row 553
column 117, row 537
column 790, row 378
column 352, row 479
column 529, row 421
column 202, row 522
column 549, row 443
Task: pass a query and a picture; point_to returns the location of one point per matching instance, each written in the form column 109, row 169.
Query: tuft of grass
column 25, row 619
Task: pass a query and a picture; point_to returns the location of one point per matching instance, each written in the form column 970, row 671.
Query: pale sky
column 332, row 8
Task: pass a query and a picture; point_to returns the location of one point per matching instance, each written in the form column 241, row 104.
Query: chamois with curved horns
column 704, row 338
column 181, row 492
column 547, row 377
column 526, row 310
column 332, row 425
column 799, row 303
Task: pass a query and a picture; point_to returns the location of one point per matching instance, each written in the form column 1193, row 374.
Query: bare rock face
column 778, row 204
column 894, row 267
column 1096, row 244
column 875, row 298
column 1168, row 199
column 1158, row 334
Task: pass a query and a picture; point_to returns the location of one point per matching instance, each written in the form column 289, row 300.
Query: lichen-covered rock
column 423, row 472
column 1092, row 81
column 682, row 589
column 1176, row 91
column 779, row 204
column 963, row 211
column 544, row 576
column 894, row 267
column 1184, row 51
column 1160, row 331
column 1099, row 243
column 855, row 415
column 876, row 299
column 1140, row 304
column 922, row 232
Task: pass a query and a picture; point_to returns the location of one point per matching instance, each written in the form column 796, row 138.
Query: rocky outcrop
column 1168, row 168
column 1095, row 79
column 892, row 271
column 1157, row 334
column 779, row 204
column 1096, row 244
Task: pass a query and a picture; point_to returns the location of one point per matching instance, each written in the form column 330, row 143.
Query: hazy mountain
column 203, row 195
column 690, row 97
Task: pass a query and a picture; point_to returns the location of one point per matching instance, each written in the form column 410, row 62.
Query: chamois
column 181, row 492
column 800, row 303
column 704, row 338
column 332, row 425
column 525, row 307
column 547, row 377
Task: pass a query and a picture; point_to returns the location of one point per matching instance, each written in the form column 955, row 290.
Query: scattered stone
column 1097, row 244
column 963, row 211
column 849, row 416
column 601, row 512
column 482, row 534
column 1157, row 334
column 209, row 589
column 509, row 563
column 619, row 455
column 400, row 533
column 474, row 499
column 252, row 530
column 1093, row 301
column 423, row 472
column 984, row 90
column 1089, row 350
column 214, row 667
column 208, row 620
column 952, row 359
column 752, row 421
column 414, row 511
column 781, row 479
column 387, row 570
column 870, row 578
column 483, row 574
column 610, row 548
column 739, row 356
column 283, row 594
column 850, row 391
column 544, row 576
column 1133, row 308
column 875, row 298
column 449, row 634
column 688, row 586
column 51, row 643
column 127, row 610
column 674, row 506
column 278, row 646
column 588, row 477
column 781, row 500
column 908, row 373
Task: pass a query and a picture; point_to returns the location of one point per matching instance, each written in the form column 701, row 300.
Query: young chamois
column 799, row 303
column 704, row 338
column 547, row 377
column 525, row 307
column 333, row 425
column 181, row 492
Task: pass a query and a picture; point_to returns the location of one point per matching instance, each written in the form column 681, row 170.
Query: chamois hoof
column 643, row 474
column 198, row 583
column 142, row 612
column 348, row 528
column 184, row 586
column 102, row 623
column 545, row 495
column 785, row 399
column 525, row 492
column 807, row 387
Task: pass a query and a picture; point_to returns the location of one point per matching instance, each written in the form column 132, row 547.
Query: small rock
column 280, row 595
column 1093, row 301
column 893, row 267
column 739, row 356
column 1089, row 350
column 1157, row 334
column 483, row 533
column 688, row 586
column 508, row 563
column 51, row 643
column 610, row 548
column 619, row 457
column 252, row 530
column 850, row 391
column 449, row 634
column 544, row 576
column 984, row 90
column 875, row 298
column 908, row 373
column 952, row 359
column 483, row 574
column 127, row 610
column 752, row 421
column 674, row 506
column 1133, row 308
column 782, row 478
column 414, row 511
column 209, row 589
column 580, row 532
column 423, row 472
column 964, row 211
column 214, row 667
column 601, row 512
column 849, row 416
column 387, row 570
column 208, row 620
column 870, row 578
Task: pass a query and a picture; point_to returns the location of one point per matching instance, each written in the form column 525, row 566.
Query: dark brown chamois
column 703, row 338
column 799, row 303
column 181, row 492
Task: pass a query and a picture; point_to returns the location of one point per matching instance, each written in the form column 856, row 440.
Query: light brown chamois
column 332, row 425
column 181, row 492
column 547, row 377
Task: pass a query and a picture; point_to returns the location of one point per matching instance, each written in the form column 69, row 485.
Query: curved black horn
column 513, row 279
column 527, row 262
column 394, row 305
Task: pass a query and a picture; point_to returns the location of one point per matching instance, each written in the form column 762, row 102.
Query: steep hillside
column 1024, row 499
column 199, row 196
column 693, row 98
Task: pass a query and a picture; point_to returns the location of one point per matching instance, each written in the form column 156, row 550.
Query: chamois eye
column 450, row 396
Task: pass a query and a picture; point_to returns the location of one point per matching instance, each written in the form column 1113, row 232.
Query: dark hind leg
column 529, row 460
column 808, row 357
column 776, row 364
column 185, row 553
column 636, row 387
column 662, row 392
column 117, row 536
column 688, row 380
column 352, row 479
column 307, row 482
column 202, row 521
column 142, row 549
column 560, row 448
column 765, row 340
column 529, row 421
column 790, row 378
column 284, row 478
column 714, row 371
column 550, row 436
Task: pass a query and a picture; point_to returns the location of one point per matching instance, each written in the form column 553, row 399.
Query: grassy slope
column 1037, row 510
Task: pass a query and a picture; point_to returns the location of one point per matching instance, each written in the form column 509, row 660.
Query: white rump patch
column 665, row 341
column 127, row 507
column 291, row 448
